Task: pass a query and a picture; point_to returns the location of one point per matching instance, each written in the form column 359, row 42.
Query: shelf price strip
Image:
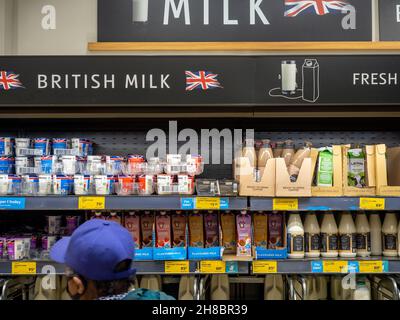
column 23, row 268
column 216, row 266
column 205, row 203
column 92, row 203
column 371, row 266
column 263, row 267
column 279, row 204
column 177, row 267
column 335, row 266
column 372, row 203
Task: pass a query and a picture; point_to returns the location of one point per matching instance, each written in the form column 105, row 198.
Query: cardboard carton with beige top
column 370, row 183
column 336, row 190
column 387, row 162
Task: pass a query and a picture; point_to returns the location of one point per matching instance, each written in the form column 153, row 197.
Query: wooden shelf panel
column 245, row 46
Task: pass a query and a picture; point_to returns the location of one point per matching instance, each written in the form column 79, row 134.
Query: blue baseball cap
column 95, row 249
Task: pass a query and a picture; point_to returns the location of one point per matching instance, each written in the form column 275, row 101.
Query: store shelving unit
column 60, row 203
column 117, row 202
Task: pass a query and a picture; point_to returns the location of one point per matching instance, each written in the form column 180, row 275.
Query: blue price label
column 187, row 203
column 353, row 266
column 316, row 266
column 232, row 267
column 385, row 266
column 224, row 203
column 12, row 203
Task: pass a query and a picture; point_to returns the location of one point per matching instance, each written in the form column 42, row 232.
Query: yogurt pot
column 6, row 164
column 69, row 165
column 104, row 185
column 21, row 164
column 60, row 143
column 115, row 164
column 45, row 184
column 6, row 146
column 42, row 144
column 48, row 164
column 62, row 184
column 81, row 146
column 21, row 144
column 146, row 184
column 14, row 184
column 4, row 184
column 101, row 184
column 82, row 184
column 135, row 163
column 95, row 165
column 30, row 184
column 24, row 143
column 125, row 185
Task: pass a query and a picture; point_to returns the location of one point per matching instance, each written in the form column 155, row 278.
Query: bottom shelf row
column 224, row 287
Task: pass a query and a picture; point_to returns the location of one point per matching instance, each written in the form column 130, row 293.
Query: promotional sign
column 234, row 20
column 389, row 20
column 199, row 81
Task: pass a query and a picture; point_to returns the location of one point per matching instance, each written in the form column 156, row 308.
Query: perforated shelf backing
column 131, row 141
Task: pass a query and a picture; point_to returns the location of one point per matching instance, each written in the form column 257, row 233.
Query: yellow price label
column 92, row 203
column 216, row 266
column 371, row 266
column 23, row 268
column 208, row 203
column 285, row 204
column 335, row 266
column 265, row 266
column 372, row 203
column 177, row 267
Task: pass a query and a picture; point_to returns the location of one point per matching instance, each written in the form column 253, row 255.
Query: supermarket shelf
column 324, row 203
column 288, row 266
column 308, row 266
column 43, row 267
column 142, row 268
column 116, row 203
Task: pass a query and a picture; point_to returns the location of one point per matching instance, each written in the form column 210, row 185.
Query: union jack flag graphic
column 9, row 80
column 202, row 80
column 320, row 7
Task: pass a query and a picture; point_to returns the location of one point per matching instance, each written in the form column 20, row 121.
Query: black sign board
column 389, row 20
column 199, row 81
column 234, row 20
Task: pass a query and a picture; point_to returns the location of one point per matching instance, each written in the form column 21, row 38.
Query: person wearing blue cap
column 98, row 256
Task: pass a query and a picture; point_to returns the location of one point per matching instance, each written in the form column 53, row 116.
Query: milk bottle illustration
column 140, row 11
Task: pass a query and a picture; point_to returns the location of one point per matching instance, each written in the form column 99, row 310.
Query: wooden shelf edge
column 245, row 46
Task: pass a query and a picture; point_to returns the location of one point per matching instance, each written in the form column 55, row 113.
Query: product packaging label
column 178, row 230
column 228, row 232
column 147, row 222
column 325, row 168
column 390, row 242
column 196, row 234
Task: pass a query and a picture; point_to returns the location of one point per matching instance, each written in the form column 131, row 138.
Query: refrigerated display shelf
column 288, row 266
column 112, row 203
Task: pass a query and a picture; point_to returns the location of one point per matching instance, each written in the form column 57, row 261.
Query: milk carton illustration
column 310, row 80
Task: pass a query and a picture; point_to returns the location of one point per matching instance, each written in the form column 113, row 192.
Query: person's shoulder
column 146, row 294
